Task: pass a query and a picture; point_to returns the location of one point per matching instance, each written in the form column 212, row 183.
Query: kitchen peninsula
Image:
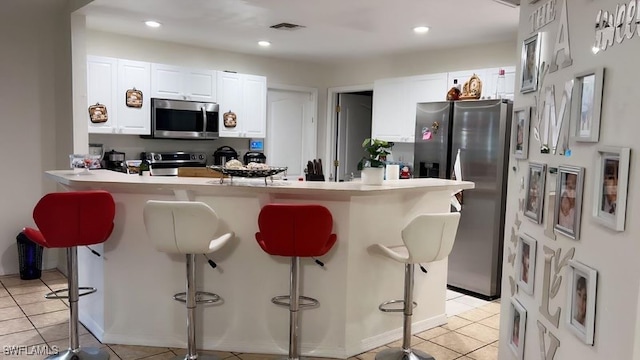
column 136, row 283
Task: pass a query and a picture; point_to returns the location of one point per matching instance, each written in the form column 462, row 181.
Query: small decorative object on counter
column 454, row 92
column 230, row 119
column 472, row 89
column 98, row 113
column 144, row 168
column 133, row 98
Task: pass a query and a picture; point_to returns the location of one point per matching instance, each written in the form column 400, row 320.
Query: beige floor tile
column 3, row 292
column 130, row 352
column 465, row 358
column 30, row 298
column 57, row 332
column 259, row 356
column 492, row 307
column 50, row 319
column 12, row 312
column 219, row 354
column 7, row 301
column 23, row 338
column 13, row 280
column 367, row 356
column 15, row 325
column 43, row 307
column 480, row 332
column 38, row 352
column 455, row 322
column 86, row 340
column 485, row 353
column 56, row 284
column 475, row 315
column 437, row 351
column 27, row 289
column 162, row 356
column 457, row 342
column 398, row 343
column 431, row 333
column 51, row 275
column 112, row 355
column 495, row 343
column 493, row 321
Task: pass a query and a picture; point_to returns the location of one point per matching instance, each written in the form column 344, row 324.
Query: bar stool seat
column 188, row 228
column 427, row 238
column 296, row 231
column 68, row 220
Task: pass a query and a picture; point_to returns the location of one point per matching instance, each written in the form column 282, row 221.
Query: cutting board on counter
column 198, row 172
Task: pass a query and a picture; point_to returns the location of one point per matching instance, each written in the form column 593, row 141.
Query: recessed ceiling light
column 264, row 43
column 421, row 29
column 151, row 23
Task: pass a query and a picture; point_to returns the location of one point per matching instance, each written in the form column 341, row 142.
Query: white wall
column 612, row 254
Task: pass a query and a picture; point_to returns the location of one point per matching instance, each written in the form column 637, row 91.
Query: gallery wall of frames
column 571, row 275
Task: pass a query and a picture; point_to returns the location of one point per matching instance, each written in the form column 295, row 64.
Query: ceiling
column 334, row 30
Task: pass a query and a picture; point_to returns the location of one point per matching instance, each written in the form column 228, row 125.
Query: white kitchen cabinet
column 246, row 96
column 133, row 75
column 181, row 83
column 102, row 76
column 424, row 88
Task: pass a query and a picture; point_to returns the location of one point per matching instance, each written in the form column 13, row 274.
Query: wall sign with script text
column 614, row 27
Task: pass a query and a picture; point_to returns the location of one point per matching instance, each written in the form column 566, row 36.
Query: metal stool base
column 400, row 354
column 82, row 354
column 200, row 357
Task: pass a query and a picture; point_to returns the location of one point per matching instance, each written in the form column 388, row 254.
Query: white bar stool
column 427, row 238
column 186, row 227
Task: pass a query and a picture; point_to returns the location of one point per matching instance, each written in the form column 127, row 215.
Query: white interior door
column 354, row 125
column 291, row 130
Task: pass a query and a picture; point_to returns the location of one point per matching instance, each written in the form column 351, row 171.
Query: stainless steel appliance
column 224, row 154
column 167, row 163
column 480, row 129
column 255, row 156
column 180, row 119
column 114, row 160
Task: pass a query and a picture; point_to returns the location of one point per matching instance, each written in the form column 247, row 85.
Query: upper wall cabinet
column 116, row 84
column 180, row 83
column 394, row 104
column 489, row 78
column 243, row 105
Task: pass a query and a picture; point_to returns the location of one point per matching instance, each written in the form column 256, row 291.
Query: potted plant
column 372, row 165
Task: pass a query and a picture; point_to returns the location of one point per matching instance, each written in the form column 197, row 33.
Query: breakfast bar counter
column 136, row 283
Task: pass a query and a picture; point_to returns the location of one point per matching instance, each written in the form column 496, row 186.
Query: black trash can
column 30, row 258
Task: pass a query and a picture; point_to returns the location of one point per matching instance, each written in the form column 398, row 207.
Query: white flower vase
column 372, row 176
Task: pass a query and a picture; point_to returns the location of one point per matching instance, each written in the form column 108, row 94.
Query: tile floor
column 27, row 319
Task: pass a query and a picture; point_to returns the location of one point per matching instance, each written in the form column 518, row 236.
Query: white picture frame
column 520, row 132
column 568, row 207
column 610, row 186
column 529, row 61
column 581, row 301
column 526, row 263
column 534, row 198
column 586, row 105
column 517, row 328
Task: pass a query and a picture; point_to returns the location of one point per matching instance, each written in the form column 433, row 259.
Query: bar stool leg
column 75, row 352
column 294, row 307
column 405, row 353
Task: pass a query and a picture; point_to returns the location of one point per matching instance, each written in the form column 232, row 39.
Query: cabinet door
column 230, row 100
column 166, row 82
column 134, row 120
column 200, row 85
column 424, row 88
column 255, row 106
column 101, row 88
column 390, row 110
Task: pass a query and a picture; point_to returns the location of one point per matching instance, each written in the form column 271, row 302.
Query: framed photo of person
column 526, row 263
column 517, row 328
column 520, row 133
column 568, row 207
column 529, row 64
column 534, row 198
column 586, row 103
column 581, row 300
column 610, row 189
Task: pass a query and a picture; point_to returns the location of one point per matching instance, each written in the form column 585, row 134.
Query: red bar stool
column 427, row 238
column 296, row 231
column 189, row 228
column 68, row 220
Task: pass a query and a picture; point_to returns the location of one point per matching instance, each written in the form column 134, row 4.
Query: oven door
column 176, row 119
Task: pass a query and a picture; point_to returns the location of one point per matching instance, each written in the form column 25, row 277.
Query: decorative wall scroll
column 586, row 105
column 133, row 98
column 526, row 263
column 614, row 27
column 517, row 328
column 550, row 288
column 543, row 15
column 610, row 188
column 581, row 301
column 553, row 346
column 568, row 207
column 562, row 42
column 520, row 130
column 534, row 198
column 98, row 113
column 529, row 64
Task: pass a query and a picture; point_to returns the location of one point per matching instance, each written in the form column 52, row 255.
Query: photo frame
column 581, row 301
column 526, row 263
column 534, row 198
column 529, row 64
column 568, row 206
column 520, row 133
column 517, row 328
column 610, row 186
column 586, row 105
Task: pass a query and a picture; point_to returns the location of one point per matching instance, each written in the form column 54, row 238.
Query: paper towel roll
column 392, row 172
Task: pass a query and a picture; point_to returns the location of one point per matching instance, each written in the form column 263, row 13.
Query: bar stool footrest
column 385, row 306
column 84, row 353
column 202, row 297
column 54, row 294
column 305, row 301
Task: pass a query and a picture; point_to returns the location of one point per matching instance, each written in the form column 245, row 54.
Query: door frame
column 332, row 118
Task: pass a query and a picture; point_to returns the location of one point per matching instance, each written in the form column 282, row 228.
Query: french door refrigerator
column 480, row 130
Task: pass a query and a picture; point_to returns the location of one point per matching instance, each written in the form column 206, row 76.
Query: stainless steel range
column 167, row 163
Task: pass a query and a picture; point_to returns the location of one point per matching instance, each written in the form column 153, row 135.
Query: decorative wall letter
column 562, row 42
column 553, row 347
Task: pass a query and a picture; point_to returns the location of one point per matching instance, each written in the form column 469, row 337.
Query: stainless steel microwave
column 180, row 119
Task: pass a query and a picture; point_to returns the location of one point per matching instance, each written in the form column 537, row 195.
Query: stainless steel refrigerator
column 480, row 129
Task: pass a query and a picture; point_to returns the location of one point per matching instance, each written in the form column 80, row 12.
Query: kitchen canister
column 392, row 172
